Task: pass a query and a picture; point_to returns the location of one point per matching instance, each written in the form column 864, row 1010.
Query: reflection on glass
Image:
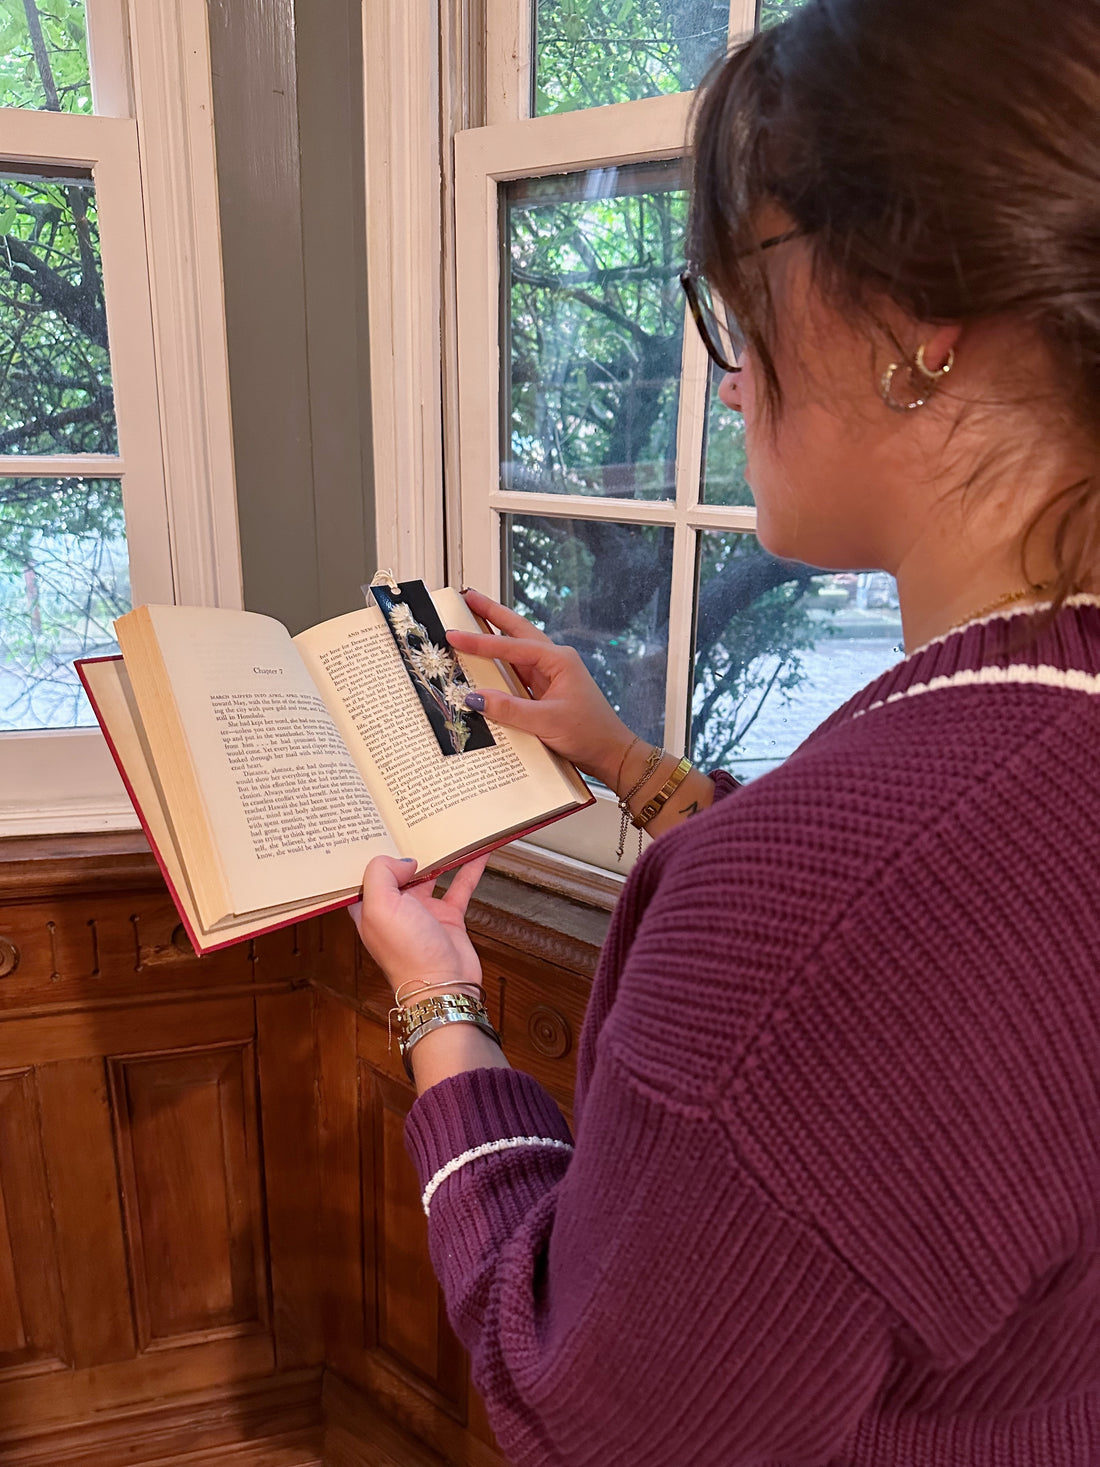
column 64, row 577
column 44, row 56
column 592, row 328
column 603, row 589
column 773, row 11
column 778, row 647
column 590, row 52
column 723, row 476
column 55, row 371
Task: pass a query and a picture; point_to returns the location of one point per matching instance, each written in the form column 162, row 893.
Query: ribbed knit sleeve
column 645, row 1300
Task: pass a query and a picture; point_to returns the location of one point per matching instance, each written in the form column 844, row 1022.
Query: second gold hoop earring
column 918, row 367
column 926, row 371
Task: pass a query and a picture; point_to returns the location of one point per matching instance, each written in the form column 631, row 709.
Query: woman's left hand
column 411, row 934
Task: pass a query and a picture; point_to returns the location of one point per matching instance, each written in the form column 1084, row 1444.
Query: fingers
column 462, row 885
column 526, row 714
column 510, row 622
column 519, row 652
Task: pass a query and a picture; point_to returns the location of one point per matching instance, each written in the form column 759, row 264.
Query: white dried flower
column 432, row 662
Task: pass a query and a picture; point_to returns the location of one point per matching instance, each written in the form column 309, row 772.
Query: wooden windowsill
column 538, row 922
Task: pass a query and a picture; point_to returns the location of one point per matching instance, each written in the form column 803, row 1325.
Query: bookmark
column 433, row 668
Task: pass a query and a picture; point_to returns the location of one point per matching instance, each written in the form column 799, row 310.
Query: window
column 591, row 476
column 116, row 477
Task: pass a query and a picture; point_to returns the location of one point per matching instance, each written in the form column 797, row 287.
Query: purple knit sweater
column 835, row 1191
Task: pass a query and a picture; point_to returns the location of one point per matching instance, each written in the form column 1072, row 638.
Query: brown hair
column 942, row 153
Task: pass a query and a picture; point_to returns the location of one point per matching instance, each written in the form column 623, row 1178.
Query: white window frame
column 150, row 146
column 452, row 337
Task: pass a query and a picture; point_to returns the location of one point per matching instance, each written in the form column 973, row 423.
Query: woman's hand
column 568, row 712
column 410, row 933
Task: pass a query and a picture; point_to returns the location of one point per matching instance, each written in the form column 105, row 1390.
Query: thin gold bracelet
column 656, row 754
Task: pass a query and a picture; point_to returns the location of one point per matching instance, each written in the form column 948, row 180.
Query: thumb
column 387, row 874
column 521, row 713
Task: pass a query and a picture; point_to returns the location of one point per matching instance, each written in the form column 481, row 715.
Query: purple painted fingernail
column 476, row 701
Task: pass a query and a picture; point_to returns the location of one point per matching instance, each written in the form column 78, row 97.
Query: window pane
column 603, row 589
column 590, row 52
column 723, row 476
column 778, row 648
column 592, row 323
column 55, row 372
column 44, row 56
column 64, row 577
column 773, row 11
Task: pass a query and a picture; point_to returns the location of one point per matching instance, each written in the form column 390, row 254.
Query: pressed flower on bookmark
column 433, row 668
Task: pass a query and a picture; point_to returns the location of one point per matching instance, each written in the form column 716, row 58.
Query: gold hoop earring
column 926, row 371
column 887, row 390
column 919, row 366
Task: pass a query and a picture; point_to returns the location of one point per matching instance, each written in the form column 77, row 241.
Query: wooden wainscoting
column 212, row 1248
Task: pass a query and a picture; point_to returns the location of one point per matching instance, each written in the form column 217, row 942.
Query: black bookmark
column 433, row 668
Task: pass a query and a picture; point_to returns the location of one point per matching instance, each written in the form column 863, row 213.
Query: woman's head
column 941, row 163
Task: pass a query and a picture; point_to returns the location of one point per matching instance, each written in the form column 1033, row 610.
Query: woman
column 834, row 1195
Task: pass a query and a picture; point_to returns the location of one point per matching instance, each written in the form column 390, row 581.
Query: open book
column 267, row 770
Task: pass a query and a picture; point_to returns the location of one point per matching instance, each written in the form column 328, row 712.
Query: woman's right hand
column 567, row 711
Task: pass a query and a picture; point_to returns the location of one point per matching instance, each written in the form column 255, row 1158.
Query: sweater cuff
column 724, row 784
column 479, row 1106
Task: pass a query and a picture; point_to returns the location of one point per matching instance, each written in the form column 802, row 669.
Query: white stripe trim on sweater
column 1017, row 674
column 1083, row 598
column 487, row 1148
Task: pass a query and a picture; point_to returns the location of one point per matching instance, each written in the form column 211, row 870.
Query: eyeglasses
column 717, row 325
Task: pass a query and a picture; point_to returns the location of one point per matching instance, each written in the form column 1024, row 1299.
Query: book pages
column 289, row 812
column 434, row 804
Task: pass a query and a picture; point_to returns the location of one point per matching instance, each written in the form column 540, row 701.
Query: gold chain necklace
column 1008, row 599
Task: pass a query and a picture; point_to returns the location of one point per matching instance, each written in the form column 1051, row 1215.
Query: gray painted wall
column 288, row 120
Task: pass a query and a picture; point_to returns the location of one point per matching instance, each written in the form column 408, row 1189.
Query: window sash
column 156, row 189
column 646, row 130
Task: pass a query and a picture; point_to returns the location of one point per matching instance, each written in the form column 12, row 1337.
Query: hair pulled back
column 944, row 154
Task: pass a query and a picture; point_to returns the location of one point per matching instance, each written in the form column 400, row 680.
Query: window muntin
column 769, row 662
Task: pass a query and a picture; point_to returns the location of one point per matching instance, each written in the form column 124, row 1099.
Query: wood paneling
column 283, row 1413
column 204, row 1162
column 189, row 1156
column 341, row 1280
column 411, row 1328
column 80, row 1161
column 289, row 1118
column 31, row 1324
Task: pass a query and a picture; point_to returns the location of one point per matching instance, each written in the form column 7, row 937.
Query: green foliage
column 596, row 322
column 772, row 12
column 752, row 626
column 55, row 377
column 44, row 65
column 592, row 52
column 596, row 335
column 63, row 567
column 64, row 577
